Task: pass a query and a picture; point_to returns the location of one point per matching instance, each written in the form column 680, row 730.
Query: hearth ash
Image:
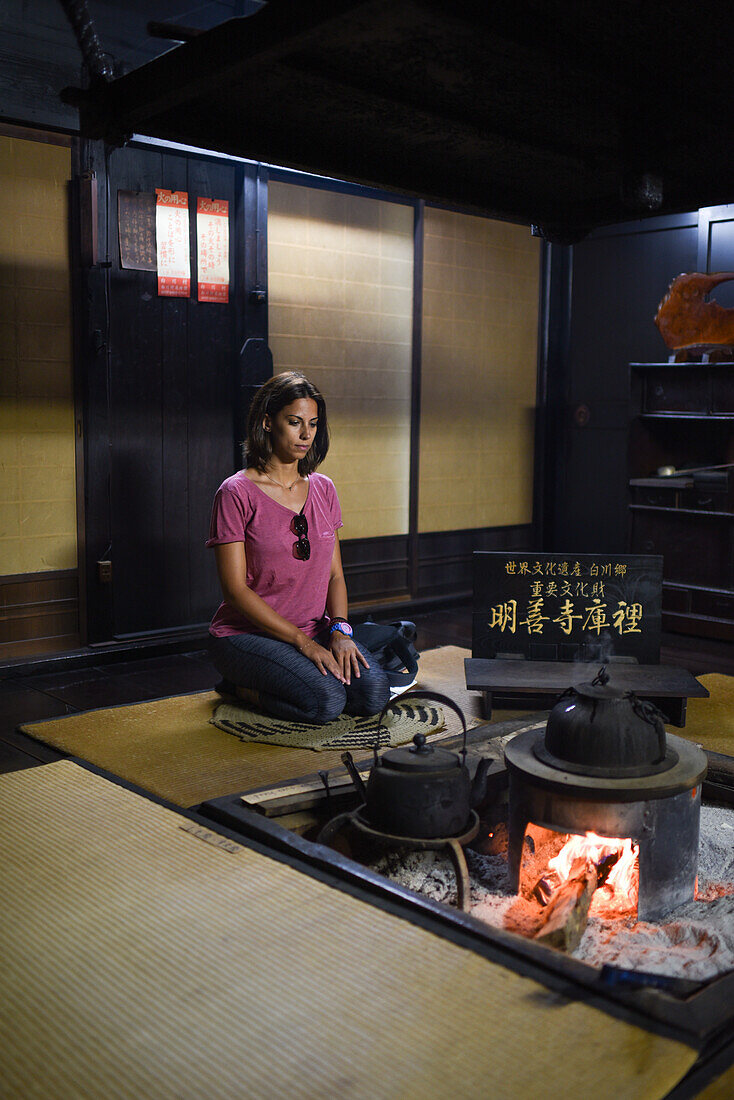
column 694, row 941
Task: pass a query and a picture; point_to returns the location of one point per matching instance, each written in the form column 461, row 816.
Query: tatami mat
column 168, row 747
column 142, row 960
column 710, row 722
column 720, row 1089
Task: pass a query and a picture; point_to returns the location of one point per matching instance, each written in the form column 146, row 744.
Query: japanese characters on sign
column 136, row 230
column 212, row 235
column 154, row 236
column 555, row 606
column 172, row 241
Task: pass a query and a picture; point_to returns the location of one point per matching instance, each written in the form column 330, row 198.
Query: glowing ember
column 617, row 892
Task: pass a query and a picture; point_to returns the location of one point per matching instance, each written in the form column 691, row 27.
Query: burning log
column 588, row 874
column 548, row 883
column 567, row 888
column 567, row 910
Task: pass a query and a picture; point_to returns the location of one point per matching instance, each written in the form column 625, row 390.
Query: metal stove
column 604, row 764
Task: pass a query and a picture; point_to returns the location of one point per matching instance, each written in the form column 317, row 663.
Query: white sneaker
column 394, row 692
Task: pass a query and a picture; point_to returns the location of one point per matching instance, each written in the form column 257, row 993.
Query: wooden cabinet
column 682, row 416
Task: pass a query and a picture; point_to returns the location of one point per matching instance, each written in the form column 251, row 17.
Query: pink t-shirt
column 296, row 589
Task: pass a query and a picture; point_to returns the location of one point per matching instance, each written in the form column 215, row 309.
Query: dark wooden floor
column 26, row 698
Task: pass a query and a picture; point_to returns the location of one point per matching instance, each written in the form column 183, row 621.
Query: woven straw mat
column 400, row 724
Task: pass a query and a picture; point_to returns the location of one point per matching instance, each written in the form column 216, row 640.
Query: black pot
column 595, row 729
column 423, row 791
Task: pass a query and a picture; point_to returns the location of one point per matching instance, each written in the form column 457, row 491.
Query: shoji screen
column 340, row 270
column 480, row 327
column 37, row 449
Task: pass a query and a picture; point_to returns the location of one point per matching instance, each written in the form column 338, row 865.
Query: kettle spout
column 479, row 783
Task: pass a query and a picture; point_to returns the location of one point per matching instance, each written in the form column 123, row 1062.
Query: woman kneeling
column 282, row 636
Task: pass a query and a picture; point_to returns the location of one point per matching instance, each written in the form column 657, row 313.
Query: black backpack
column 392, row 646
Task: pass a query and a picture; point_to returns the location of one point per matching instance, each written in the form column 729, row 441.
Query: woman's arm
column 337, row 606
column 232, row 569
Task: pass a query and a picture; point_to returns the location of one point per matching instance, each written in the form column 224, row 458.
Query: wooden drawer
column 676, row 599
column 696, row 552
column 722, row 391
column 661, row 497
column 708, row 500
column 667, row 390
column 715, row 605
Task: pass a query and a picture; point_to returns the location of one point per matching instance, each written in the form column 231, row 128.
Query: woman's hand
column 347, row 656
column 323, row 659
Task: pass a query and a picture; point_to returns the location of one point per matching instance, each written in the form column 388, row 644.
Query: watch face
column 343, row 628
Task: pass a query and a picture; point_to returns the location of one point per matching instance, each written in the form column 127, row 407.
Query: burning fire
column 618, row 891
column 617, row 869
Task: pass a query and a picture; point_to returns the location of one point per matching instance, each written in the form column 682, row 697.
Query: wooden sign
column 563, row 607
column 136, row 230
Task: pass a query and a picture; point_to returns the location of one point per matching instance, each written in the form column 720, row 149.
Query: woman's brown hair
column 273, row 396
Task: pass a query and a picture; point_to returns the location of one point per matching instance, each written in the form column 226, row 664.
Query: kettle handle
column 646, row 710
column 444, row 699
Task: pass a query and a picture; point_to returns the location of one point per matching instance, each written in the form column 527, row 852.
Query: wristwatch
column 342, row 626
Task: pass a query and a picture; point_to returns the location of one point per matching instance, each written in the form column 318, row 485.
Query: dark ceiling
column 569, row 114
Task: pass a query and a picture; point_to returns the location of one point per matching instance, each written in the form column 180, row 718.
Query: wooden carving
column 688, row 322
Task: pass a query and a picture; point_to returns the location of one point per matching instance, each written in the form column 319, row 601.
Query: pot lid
column 595, row 729
column 420, row 757
column 599, row 688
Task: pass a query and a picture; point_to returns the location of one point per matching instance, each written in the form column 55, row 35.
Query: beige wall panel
column 340, row 272
column 37, row 447
column 10, row 485
column 47, row 553
column 9, row 520
column 480, row 322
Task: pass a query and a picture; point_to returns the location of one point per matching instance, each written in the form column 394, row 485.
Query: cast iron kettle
column 597, row 730
column 423, row 792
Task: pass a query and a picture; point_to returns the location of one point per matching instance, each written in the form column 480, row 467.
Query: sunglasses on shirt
column 303, row 546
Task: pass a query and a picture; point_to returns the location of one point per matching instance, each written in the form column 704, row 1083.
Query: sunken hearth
column 694, row 942
column 599, row 851
column 676, row 974
column 598, row 854
column 643, row 913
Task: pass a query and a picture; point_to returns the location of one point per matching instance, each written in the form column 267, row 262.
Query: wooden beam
column 206, row 64
column 415, row 400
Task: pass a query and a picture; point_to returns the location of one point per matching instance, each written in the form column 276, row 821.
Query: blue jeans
column 290, row 686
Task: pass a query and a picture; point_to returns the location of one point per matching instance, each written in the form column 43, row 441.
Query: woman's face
column 292, row 430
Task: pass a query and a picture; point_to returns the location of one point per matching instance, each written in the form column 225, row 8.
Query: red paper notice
column 172, row 242
column 212, row 234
